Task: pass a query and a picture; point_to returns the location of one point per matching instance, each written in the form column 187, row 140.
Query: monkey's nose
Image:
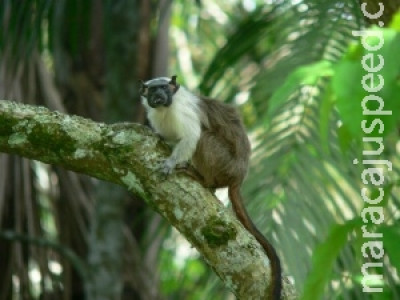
column 157, row 100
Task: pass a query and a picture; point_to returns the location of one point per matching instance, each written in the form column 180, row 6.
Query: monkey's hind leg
column 189, row 170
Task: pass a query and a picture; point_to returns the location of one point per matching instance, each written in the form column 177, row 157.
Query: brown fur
column 223, row 151
column 221, row 158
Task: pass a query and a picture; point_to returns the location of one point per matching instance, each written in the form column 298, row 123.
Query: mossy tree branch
column 128, row 154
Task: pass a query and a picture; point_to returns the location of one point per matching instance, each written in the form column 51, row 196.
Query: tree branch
column 128, row 154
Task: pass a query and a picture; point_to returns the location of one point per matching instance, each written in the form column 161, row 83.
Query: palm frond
column 300, row 174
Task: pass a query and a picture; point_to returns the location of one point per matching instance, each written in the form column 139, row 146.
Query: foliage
column 293, row 68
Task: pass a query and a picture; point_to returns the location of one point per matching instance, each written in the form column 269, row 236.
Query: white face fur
column 179, row 122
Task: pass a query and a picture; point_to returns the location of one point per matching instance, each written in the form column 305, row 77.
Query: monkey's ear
column 173, row 80
column 174, row 84
column 142, row 88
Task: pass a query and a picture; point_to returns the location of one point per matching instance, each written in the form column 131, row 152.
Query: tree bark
column 128, row 155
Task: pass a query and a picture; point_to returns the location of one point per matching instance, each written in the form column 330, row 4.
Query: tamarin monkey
column 211, row 136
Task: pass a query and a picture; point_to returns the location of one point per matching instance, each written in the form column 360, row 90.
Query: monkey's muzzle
column 156, row 101
column 159, row 99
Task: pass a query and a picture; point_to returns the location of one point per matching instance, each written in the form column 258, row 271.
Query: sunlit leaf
column 324, row 257
column 351, row 81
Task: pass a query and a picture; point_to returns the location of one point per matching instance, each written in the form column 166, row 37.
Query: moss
column 218, row 232
column 54, row 139
column 6, row 125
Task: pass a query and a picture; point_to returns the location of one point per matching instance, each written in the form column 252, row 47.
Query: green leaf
column 305, row 75
column 350, row 92
column 385, row 295
column 395, row 23
column 391, row 238
column 347, row 88
column 324, row 257
column 324, row 119
column 345, row 138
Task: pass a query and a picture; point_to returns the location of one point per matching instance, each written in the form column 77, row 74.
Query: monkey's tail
column 275, row 289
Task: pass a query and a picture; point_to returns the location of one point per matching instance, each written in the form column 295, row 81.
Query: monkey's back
column 223, row 151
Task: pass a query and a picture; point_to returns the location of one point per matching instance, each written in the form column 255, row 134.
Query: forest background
column 295, row 71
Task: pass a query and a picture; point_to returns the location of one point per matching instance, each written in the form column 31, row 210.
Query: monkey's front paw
column 168, row 166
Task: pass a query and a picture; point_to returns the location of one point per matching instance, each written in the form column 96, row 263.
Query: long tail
column 275, row 289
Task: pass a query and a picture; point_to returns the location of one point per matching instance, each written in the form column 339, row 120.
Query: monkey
column 210, row 136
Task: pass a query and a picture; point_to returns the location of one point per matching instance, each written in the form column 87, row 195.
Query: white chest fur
column 179, row 124
column 166, row 122
column 181, row 120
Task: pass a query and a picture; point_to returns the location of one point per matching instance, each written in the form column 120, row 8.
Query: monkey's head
column 159, row 91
